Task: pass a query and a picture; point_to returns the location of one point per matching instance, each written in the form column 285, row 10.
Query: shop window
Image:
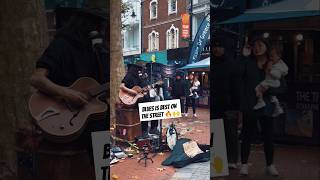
column 172, row 6
column 153, row 41
column 172, row 38
column 308, row 58
column 153, row 9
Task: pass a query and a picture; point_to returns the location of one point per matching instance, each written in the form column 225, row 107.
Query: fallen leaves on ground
column 161, row 169
column 114, row 177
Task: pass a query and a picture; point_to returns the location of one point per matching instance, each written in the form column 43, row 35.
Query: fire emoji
column 168, row 114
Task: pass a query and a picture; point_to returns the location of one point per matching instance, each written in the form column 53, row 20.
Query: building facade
column 161, row 21
column 200, row 9
column 131, row 32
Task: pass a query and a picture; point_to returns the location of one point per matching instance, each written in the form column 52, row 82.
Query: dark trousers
column 231, row 133
column 190, row 102
column 248, row 133
column 182, row 101
column 144, row 126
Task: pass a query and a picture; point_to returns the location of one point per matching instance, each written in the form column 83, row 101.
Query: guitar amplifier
column 128, row 124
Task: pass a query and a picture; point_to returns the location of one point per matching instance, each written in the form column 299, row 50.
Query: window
column 153, row 9
column 172, row 37
column 172, row 6
column 153, row 41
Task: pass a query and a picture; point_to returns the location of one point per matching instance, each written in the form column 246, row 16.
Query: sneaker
column 232, row 166
column 260, row 104
column 271, row 170
column 277, row 111
column 244, row 170
column 114, row 160
column 191, row 94
column 195, row 115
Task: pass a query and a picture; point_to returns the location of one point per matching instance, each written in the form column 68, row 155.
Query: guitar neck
column 146, row 88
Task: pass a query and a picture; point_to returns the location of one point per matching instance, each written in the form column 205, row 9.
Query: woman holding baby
column 263, row 71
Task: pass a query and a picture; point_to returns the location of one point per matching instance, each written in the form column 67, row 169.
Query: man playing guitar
column 72, row 54
column 135, row 77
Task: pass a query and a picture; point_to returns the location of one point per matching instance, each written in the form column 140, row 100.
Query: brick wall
column 163, row 22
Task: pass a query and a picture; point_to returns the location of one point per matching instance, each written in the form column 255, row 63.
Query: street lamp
column 133, row 15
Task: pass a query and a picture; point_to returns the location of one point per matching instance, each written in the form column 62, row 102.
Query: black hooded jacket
column 70, row 57
column 226, row 83
column 178, row 88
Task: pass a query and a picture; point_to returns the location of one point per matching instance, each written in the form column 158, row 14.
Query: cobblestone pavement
column 196, row 171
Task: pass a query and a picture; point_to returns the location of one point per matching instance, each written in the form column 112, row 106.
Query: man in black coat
column 178, row 89
column 226, row 96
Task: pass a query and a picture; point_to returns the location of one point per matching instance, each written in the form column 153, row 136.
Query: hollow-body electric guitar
column 62, row 122
column 130, row 100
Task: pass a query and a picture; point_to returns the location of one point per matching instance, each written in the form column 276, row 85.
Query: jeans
column 231, row 134
column 248, row 133
column 191, row 101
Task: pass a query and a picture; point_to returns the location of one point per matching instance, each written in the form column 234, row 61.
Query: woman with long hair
column 256, row 60
column 192, row 94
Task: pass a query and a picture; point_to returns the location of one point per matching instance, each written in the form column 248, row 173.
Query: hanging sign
column 185, row 26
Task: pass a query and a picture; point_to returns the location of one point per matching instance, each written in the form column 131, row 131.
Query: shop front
column 301, row 52
column 202, row 70
column 297, row 32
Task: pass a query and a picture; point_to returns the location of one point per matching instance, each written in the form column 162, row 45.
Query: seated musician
column 134, row 77
column 69, row 56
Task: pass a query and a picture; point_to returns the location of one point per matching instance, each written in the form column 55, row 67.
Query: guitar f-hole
column 74, row 116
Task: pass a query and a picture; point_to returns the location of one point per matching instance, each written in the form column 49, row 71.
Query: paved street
column 196, row 171
column 292, row 162
column 197, row 129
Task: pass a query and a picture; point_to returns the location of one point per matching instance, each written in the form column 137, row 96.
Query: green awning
column 255, row 17
column 160, row 57
column 205, row 63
